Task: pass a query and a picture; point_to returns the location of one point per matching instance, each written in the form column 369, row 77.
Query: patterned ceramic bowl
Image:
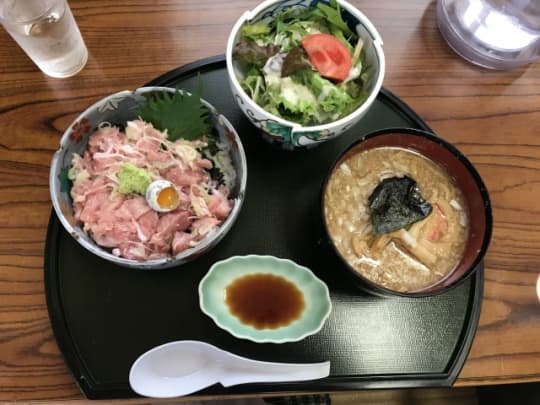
column 213, row 288
column 288, row 134
column 119, row 108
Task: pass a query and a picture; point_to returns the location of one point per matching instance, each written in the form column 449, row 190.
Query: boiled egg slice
column 161, row 196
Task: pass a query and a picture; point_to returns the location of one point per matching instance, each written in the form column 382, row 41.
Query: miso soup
column 415, row 256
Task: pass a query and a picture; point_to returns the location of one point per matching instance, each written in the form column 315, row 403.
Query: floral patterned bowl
column 288, row 134
column 117, row 109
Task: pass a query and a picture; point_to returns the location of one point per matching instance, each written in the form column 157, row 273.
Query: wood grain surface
column 493, row 117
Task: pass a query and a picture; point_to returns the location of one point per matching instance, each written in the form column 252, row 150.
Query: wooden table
column 493, row 117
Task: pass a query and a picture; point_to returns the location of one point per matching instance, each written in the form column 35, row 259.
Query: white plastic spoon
column 183, row 367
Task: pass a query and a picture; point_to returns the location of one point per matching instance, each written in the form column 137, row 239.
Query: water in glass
column 47, row 32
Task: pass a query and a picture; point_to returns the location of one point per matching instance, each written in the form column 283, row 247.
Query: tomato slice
column 329, row 56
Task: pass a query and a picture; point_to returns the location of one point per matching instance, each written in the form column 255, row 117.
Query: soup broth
column 408, row 259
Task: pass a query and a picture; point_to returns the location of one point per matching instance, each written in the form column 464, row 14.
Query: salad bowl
column 116, row 110
column 287, row 131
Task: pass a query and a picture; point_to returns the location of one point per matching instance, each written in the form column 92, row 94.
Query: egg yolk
column 168, row 198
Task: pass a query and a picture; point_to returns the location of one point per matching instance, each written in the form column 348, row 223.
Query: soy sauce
column 264, row 301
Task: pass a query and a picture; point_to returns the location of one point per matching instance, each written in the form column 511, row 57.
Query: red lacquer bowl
column 465, row 177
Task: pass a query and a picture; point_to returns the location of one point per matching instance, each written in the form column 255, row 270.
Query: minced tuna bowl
column 124, row 222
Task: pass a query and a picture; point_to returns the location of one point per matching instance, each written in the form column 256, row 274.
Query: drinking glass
column 496, row 34
column 47, row 32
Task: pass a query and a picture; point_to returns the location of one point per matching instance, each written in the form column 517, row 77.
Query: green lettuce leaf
column 254, row 85
column 255, row 31
column 332, row 13
column 291, row 101
column 335, row 100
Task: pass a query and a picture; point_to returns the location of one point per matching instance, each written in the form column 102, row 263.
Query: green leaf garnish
column 65, row 181
column 183, row 115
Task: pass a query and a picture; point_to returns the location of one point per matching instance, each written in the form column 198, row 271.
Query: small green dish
column 316, row 296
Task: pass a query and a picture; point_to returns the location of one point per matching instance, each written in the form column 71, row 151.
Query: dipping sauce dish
column 264, row 298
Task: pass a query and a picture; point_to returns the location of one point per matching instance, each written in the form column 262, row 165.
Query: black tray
column 105, row 316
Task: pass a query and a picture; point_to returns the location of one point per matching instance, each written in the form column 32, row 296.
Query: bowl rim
column 225, row 262
column 152, row 264
column 377, row 289
column 362, row 19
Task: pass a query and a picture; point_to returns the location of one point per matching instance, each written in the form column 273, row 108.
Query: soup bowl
column 476, row 225
column 285, row 133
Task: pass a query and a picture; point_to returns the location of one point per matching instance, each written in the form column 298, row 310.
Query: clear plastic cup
column 496, row 34
column 47, row 32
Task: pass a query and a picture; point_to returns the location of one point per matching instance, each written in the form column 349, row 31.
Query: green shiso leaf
column 183, row 115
